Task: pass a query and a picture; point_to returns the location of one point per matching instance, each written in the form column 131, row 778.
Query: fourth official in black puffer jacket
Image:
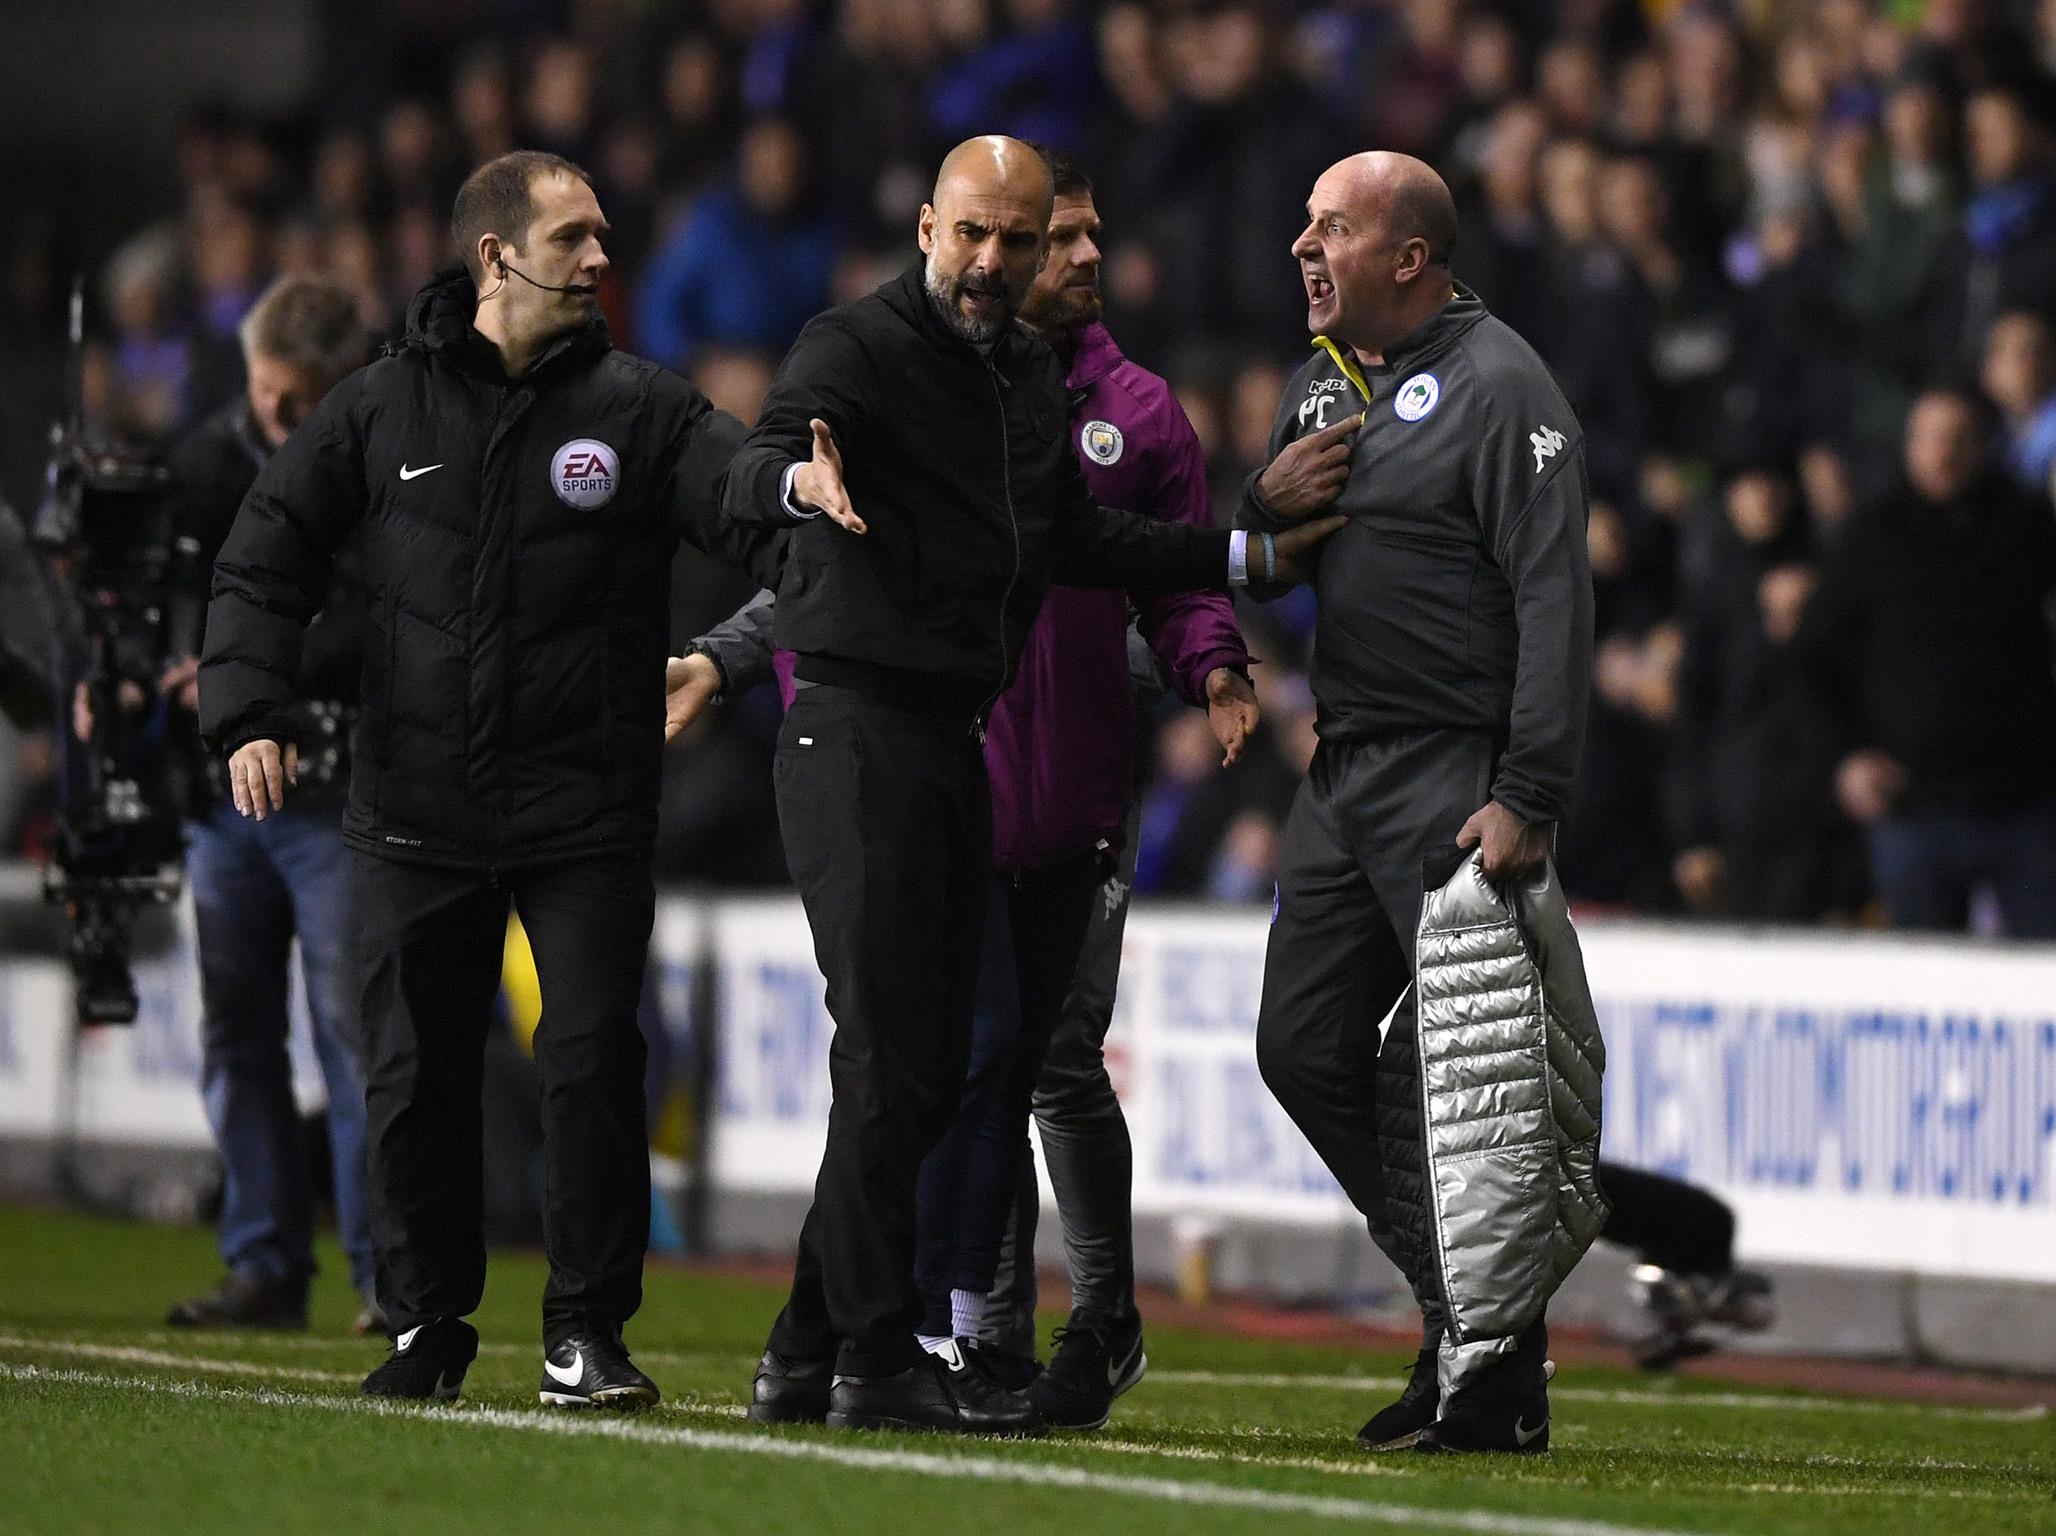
column 517, row 489
column 517, row 558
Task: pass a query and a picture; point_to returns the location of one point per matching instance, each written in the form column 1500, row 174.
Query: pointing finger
column 1340, row 432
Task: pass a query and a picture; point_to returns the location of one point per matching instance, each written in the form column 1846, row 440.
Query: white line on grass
column 972, row 1468
column 1625, row 1396
column 130, row 1356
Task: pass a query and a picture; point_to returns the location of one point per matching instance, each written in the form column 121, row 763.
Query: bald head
column 995, row 166
column 1381, row 231
column 984, row 233
column 1405, row 195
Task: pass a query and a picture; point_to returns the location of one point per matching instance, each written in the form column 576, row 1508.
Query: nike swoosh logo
column 571, row 1375
column 1117, row 1370
column 406, row 1339
column 1522, row 1434
column 416, row 474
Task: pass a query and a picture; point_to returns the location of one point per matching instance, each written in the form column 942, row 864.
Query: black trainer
column 428, row 1362
column 1012, row 1371
column 944, row 1391
column 589, row 1368
column 1395, row 1426
column 1503, row 1407
column 243, row 1302
column 1093, row 1364
column 790, row 1391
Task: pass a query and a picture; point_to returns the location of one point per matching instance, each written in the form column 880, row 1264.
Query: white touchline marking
column 1624, row 1396
column 971, row 1468
column 129, row 1356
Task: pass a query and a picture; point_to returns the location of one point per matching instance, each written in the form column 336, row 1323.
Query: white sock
column 966, row 1312
column 933, row 1344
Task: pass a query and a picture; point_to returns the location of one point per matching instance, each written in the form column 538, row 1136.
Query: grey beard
column 942, row 293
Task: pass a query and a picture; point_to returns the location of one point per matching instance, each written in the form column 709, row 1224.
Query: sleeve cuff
column 792, row 508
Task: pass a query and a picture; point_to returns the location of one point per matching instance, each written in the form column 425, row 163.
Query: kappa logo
column 1102, row 442
column 1545, row 441
column 584, row 474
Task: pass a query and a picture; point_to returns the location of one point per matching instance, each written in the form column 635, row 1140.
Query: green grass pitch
column 109, row 1423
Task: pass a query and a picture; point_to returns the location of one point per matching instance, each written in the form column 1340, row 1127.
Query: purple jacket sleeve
column 1192, row 633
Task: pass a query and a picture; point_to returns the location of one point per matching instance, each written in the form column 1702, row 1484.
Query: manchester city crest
column 1102, row 442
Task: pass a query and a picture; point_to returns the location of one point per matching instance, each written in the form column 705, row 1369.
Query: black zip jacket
column 956, row 458
column 1459, row 596
column 1928, row 639
column 212, row 470
column 516, row 541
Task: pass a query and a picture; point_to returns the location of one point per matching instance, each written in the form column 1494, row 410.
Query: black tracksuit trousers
column 887, row 822
column 429, row 944
column 1369, row 818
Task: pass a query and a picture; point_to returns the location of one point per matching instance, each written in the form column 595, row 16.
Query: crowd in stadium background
column 1745, row 240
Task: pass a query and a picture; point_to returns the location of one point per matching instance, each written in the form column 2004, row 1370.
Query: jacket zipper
column 1006, row 480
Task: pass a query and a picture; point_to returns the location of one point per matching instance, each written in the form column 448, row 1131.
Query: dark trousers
column 1928, row 864
column 887, row 824
column 1341, row 953
column 259, row 887
column 971, row 1183
column 1085, row 1145
column 1668, row 1222
column 429, row 947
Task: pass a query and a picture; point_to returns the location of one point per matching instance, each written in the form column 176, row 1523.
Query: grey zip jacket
column 1459, row 596
column 1510, row 1067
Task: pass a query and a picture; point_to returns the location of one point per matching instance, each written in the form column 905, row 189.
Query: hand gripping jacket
column 1510, row 1067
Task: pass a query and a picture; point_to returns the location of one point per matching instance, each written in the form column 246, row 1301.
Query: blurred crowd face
column 1757, row 505
column 772, row 160
column 560, row 93
column 1944, row 449
column 2018, row 368
column 1917, row 123
column 1065, row 295
column 985, row 236
column 1570, row 191
column 281, row 393
column 1507, row 168
column 1631, row 204
column 2000, row 140
column 561, row 247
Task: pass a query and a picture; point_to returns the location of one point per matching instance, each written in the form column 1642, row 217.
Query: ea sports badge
column 584, row 474
column 1417, row 397
column 1102, row 442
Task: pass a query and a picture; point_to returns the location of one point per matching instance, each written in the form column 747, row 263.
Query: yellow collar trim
column 1347, row 364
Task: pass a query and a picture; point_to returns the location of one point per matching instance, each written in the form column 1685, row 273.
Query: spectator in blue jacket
column 748, row 265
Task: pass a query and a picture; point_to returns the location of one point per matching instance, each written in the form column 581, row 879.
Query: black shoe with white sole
column 1397, row 1424
column 589, row 1368
column 946, row 1391
column 1093, row 1364
column 790, row 1391
column 428, row 1362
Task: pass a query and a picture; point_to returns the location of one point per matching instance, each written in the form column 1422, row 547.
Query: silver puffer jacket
column 1510, row 1061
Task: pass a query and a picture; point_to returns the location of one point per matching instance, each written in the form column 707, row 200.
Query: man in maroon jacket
column 1060, row 752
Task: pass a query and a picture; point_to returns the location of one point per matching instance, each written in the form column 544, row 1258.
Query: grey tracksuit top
column 1459, row 595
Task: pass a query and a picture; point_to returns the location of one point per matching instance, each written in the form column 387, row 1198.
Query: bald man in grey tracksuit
column 1451, row 667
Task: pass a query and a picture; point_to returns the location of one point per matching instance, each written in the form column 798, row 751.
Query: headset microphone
column 584, row 288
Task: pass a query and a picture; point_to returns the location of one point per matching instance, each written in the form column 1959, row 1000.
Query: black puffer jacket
column 516, row 541
column 959, row 461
